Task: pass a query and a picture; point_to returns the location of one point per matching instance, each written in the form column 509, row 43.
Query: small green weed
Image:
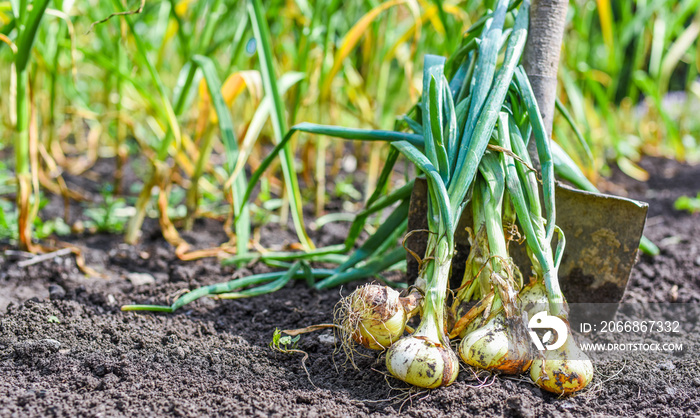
column 288, row 345
column 690, row 204
column 283, row 343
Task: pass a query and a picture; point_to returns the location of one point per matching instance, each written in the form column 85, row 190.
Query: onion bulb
column 533, row 298
column 564, row 370
column 498, row 346
column 374, row 316
column 422, row 360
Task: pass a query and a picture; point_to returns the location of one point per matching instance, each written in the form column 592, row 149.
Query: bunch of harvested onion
column 475, row 129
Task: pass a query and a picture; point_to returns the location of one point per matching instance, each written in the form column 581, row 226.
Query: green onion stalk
column 425, row 358
column 566, row 369
column 523, row 186
column 500, row 341
column 475, row 282
column 377, row 254
column 28, row 21
column 491, row 275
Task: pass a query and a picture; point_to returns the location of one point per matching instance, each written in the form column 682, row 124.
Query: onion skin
column 562, row 371
column 473, row 326
column 419, row 361
column 381, row 316
column 495, row 347
column 533, row 298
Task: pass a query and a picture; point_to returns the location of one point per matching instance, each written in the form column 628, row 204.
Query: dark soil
column 67, row 350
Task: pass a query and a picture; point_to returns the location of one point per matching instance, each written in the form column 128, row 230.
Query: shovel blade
column 602, row 239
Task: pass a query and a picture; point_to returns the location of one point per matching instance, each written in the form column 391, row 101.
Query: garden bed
column 66, row 349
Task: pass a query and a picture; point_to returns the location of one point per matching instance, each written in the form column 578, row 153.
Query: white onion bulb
column 497, row 347
column 564, row 370
column 421, row 360
column 376, row 317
